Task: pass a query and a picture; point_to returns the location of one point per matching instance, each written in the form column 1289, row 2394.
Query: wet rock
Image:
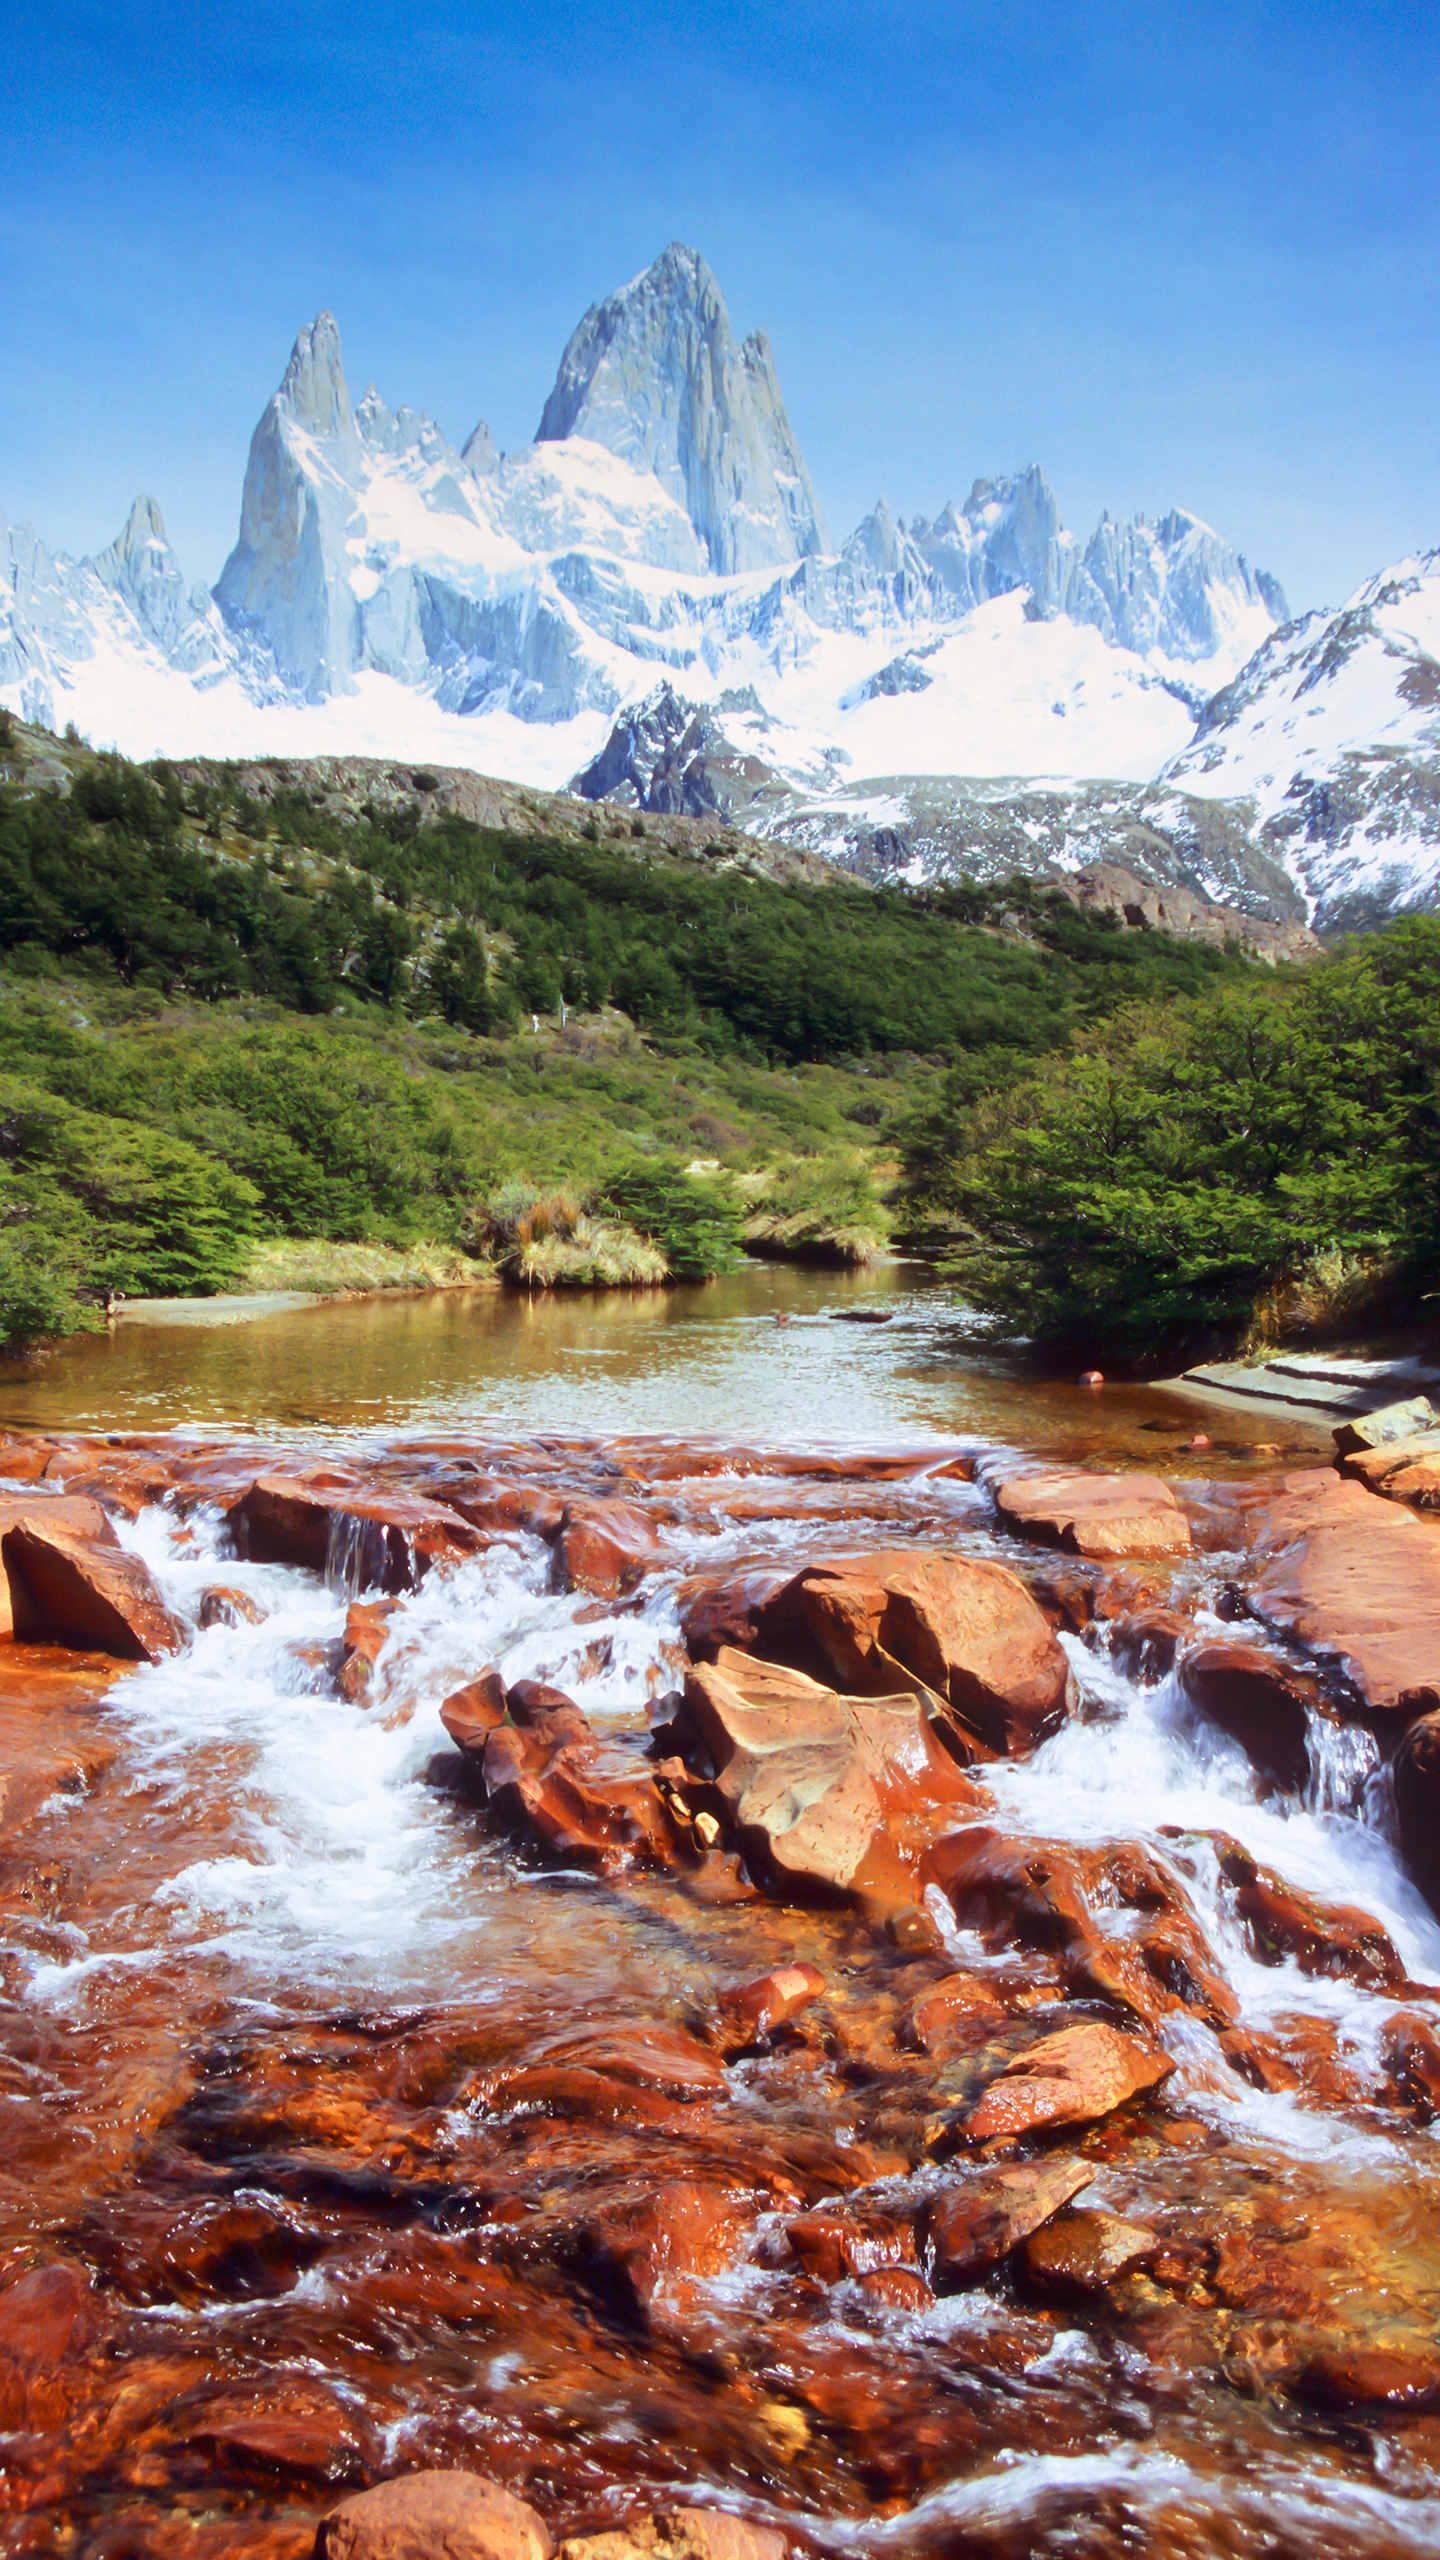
column 1095, row 1515
column 366, row 1634
column 1076, row 2076
column 896, row 2289
column 1321, row 1937
column 67, row 1580
column 223, row 1605
column 434, row 2515
column 832, row 2246
column 1371, row 2381
column 605, row 1547
column 470, row 1715
column 724, row 1609
column 550, row 1778
column 1081, row 2255
column 680, row 2533
column 301, row 2430
column 649, row 2054
column 1358, row 1583
column 972, row 2228
column 823, row 1793
column 1416, row 1779
column 955, row 1628
column 1147, row 1644
column 659, row 2250
column 751, row 2011
column 956, row 2014
column 1260, row 1702
column 1411, row 2051
column 49, row 2321
column 383, row 1541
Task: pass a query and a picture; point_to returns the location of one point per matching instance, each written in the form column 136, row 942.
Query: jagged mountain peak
column 655, row 374
column 313, row 388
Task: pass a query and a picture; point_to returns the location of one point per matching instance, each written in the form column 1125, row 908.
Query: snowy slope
column 1331, row 736
column 392, row 592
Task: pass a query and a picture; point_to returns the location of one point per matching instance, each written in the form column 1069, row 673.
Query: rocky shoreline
column 940, row 2140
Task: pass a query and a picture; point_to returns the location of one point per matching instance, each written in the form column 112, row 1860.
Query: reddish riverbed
column 348, row 2129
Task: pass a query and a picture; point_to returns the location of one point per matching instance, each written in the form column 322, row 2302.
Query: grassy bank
column 243, row 1030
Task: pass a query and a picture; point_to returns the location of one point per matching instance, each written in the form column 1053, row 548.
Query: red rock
column 751, row 2011
column 1095, row 1515
column 1412, row 2056
column 67, row 1580
column 605, row 1547
column 956, row 1628
column 434, row 2515
column 647, row 2053
column 896, row 2289
column 551, row 1778
column 1075, row 2076
column 1081, row 2255
column 1382, row 2381
column 223, row 1605
column 1260, row 1702
column 1147, row 1644
column 823, row 1793
column 956, row 2014
column 724, row 1609
column 681, row 2533
column 1358, row 1583
column 49, row 2319
column 470, row 1715
column 832, row 2246
column 660, row 2249
column 1416, row 1777
column 358, row 1540
column 1321, row 1937
column 367, row 1632
column 971, row 2228
column 1405, row 1471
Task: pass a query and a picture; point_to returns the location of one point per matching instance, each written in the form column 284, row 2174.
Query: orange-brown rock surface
column 66, row 1579
column 1358, row 1584
column 1094, row 1515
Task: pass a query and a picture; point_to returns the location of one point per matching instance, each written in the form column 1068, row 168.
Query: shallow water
column 262, row 1957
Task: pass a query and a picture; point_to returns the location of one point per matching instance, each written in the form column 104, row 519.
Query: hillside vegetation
column 232, row 1019
column 1260, row 1162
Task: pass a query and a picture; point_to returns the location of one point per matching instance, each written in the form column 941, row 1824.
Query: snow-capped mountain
column 660, row 540
column 1330, row 738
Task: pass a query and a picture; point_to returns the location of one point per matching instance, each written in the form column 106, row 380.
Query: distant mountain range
column 644, row 603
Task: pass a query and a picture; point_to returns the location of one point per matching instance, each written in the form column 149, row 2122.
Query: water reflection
column 764, row 1354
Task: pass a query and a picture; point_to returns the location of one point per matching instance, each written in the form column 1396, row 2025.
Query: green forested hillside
column 227, row 1019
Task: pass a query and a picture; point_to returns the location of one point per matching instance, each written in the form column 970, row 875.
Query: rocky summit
column 950, row 694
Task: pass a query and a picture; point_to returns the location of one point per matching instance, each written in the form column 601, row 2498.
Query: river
column 268, row 1967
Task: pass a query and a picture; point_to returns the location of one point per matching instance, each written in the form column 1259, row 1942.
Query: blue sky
column 1177, row 254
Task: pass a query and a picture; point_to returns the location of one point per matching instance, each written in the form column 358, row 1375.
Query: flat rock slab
column 1074, row 2077
column 1095, row 1515
column 1357, row 1582
column 1403, row 1470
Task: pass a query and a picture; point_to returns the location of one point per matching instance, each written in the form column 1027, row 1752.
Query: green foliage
column 1180, row 1168
column 695, row 1223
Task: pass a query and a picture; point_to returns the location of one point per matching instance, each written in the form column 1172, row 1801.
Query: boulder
column 434, row 2515
column 1358, row 1583
column 1076, row 2076
column 1416, row 1777
column 1410, row 1419
column 751, row 2011
column 680, row 2533
column 225, row 1605
column 971, row 2228
column 553, row 1781
column 1095, row 1515
column 1321, row 1937
column 954, row 1628
column 1403, row 1470
column 359, row 1541
column 470, row 1715
column 65, row 1579
column 825, row 1794
column 660, row 2248
column 367, row 1631
column 605, row 1547
column 1374, row 2381
column 1260, row 1702
column 1079, row 2256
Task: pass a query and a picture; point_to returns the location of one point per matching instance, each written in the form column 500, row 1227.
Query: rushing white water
column 347, row 1867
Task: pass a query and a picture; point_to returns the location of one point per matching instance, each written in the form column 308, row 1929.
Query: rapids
column 264, row 1955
